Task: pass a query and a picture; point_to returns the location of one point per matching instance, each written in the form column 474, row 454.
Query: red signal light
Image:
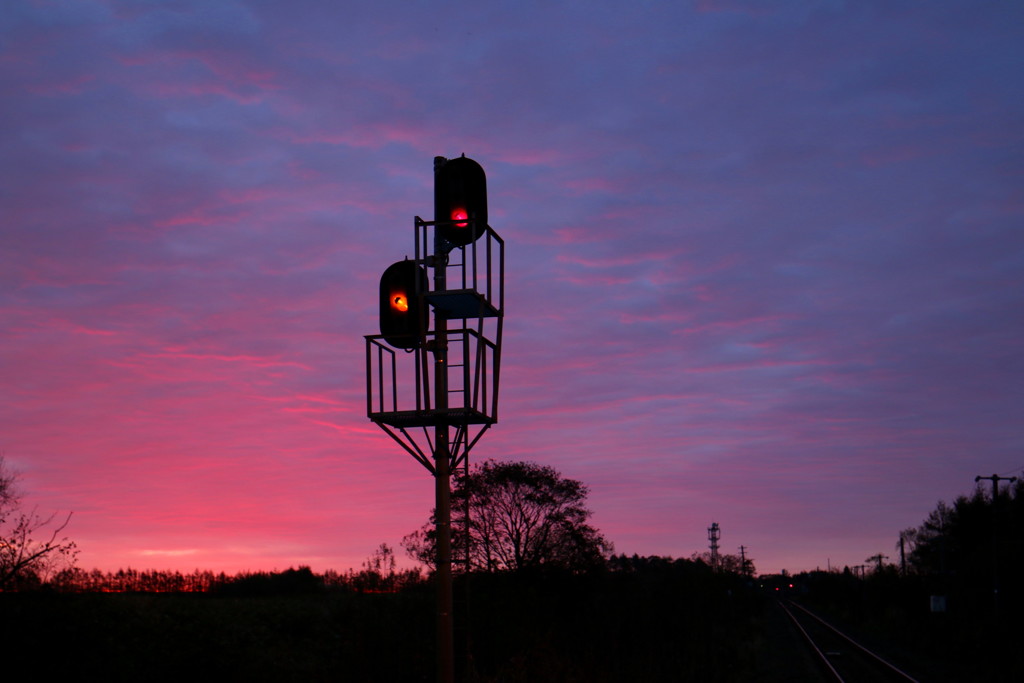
column 460, row 200
column 400, row 302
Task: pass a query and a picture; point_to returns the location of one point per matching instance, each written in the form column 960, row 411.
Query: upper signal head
column 460, row 200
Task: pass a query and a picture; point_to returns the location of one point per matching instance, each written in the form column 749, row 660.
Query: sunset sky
column 765, row 264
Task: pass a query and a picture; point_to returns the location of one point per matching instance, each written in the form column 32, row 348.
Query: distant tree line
column 969, row 553
column 379, row 574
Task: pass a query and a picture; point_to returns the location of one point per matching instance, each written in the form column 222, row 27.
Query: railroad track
column 842, row 658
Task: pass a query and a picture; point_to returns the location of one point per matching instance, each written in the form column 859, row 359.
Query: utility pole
column 995, row 478
column 995, row 483
column 877, row 559
column 744, row 569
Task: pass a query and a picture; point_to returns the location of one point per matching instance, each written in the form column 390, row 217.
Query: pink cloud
column 755, row 273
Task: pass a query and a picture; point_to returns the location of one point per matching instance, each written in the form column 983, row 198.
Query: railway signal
column 402, row 318
column 451, row 324
column 460, row 200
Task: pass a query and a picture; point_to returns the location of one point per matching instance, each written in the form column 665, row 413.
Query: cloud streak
column 764, row 264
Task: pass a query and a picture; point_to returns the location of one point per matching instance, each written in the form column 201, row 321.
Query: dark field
column 540, row 628
column 661, row 624
column 148, row 637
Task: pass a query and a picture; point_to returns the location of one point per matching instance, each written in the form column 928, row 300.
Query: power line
column 1016, row 469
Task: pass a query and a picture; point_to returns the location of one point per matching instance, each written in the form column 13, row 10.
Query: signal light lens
column 460, row 214
column 402, row 315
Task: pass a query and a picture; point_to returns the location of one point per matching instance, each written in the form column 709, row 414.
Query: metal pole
column 444, row 448
column 445, row 630
column 995, row 534
column 442, row 470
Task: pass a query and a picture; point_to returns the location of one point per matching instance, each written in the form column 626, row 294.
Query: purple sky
column 765, row 264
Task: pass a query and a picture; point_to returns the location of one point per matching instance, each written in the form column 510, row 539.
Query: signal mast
column 439, row 397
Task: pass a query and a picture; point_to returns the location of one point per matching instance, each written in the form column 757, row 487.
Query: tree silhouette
column 380, row 574
column 972, row 551
column 30, row 545
column 966, row 537
column 521, row 515
column 726, row 563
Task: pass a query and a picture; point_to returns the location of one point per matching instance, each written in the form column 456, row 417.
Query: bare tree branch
column 22, row 554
